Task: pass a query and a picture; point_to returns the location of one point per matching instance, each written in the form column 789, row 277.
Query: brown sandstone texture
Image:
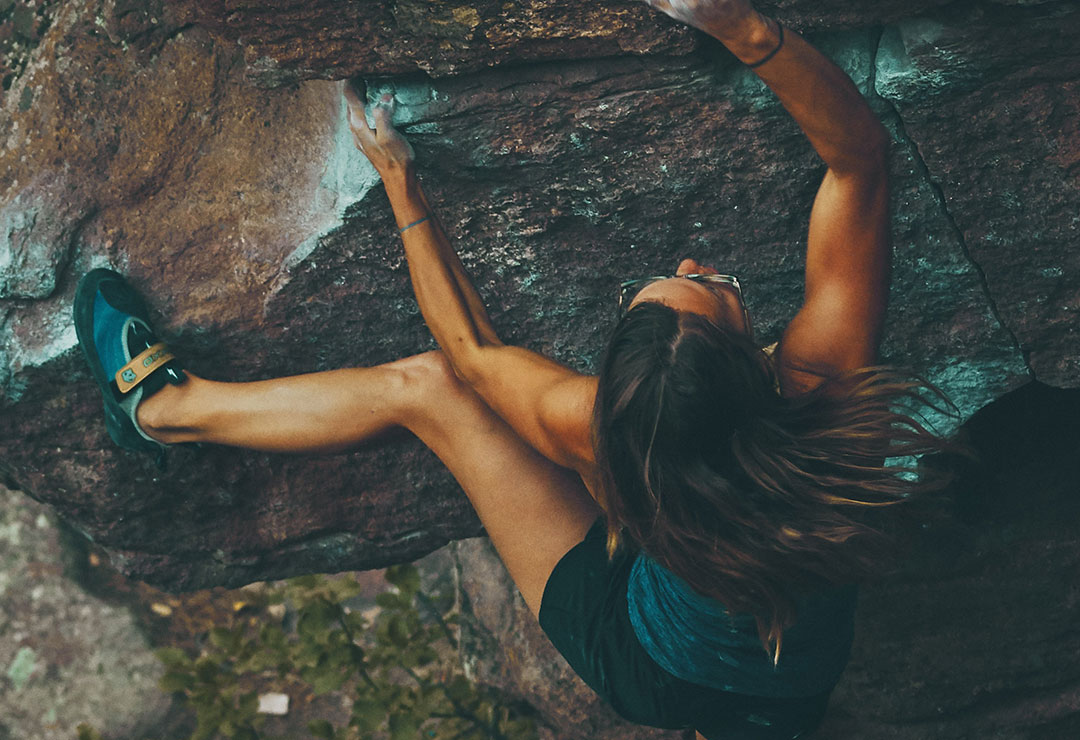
column 202, row 149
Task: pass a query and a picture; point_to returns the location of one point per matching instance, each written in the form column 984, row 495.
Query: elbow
column 470, row 364
column 873, row 154
column 868, row 156
column 870, row 162
column 878, row 144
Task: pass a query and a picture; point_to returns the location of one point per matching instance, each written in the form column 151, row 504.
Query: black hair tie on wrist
column 779, row 46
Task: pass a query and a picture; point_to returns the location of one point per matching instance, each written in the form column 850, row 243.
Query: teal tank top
column 696, row 639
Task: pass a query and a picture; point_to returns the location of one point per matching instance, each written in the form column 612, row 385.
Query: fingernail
column 387, row 98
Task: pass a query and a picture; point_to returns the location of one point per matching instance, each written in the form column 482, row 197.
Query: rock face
column 202, row 149
column 57, row 640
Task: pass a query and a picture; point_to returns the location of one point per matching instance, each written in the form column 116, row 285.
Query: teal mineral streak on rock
column 413, row 94
column 22, row 667
column 916, row 58
column 348, row 175
column 346, row 179
column 27, row 99
column 895, row 70
column 972, row 384
column 853, row 52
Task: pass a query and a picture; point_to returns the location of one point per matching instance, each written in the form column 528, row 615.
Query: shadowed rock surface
column 203, row 150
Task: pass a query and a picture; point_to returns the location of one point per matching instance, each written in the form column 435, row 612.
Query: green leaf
column 321, row 728
column 308, row 654
column 430, row 701
column 206, row 669
column 270, row 635
column 205, row 728
column 225, row 639
column 306, row 582
column 426, row 655
column 356, row 621
column 392, row 601
column 249, row 705
column 337, row 641
column 173, row 657
column 408, row 659
column 325, row 676
column 397, row 631
column 406, row 577
column 174, row 681
column 86, row 732
column 343, row 589
column 259, row 660
column 368, row 714
column 404, row 726
column 460, row 690
column 315, row 620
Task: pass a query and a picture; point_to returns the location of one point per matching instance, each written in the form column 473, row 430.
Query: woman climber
column 689, row 525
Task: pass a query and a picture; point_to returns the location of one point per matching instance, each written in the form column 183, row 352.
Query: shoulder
column 802, row 367
column 566, row 416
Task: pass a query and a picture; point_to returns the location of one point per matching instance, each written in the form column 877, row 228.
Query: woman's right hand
column 716, row 17
column 384, row 146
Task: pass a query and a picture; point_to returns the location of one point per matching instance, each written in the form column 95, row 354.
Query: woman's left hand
column 384, row 146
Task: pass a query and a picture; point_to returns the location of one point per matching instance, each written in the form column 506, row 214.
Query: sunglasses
column 630, row 288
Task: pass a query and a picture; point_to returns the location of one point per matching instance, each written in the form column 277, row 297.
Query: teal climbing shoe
column 125, row 356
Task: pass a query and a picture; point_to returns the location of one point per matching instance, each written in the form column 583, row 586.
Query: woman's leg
column 533, row 510
column 315, row 413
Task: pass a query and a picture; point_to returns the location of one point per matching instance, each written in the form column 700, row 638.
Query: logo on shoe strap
column 128, row 375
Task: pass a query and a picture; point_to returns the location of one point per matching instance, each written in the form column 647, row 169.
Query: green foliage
column 402, row 666
column 86, row 732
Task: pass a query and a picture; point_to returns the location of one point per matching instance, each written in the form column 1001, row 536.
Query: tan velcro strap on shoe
column 140, row 367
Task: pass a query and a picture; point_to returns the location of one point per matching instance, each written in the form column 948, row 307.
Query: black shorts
column 584, row 613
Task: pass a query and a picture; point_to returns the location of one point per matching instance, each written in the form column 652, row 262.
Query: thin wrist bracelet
column 779, row 46
column 414, row 223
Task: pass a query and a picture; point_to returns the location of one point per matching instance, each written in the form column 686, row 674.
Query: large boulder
column 265, row 242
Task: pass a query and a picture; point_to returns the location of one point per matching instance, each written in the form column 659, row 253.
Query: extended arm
column 848, row 251
column 547, row 404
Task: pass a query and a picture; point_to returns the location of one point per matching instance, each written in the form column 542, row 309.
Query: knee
column 428, row 384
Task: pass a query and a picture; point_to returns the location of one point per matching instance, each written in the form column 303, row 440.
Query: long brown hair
column 750, row 497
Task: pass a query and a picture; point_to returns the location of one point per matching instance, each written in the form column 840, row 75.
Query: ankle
column 162, row 414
